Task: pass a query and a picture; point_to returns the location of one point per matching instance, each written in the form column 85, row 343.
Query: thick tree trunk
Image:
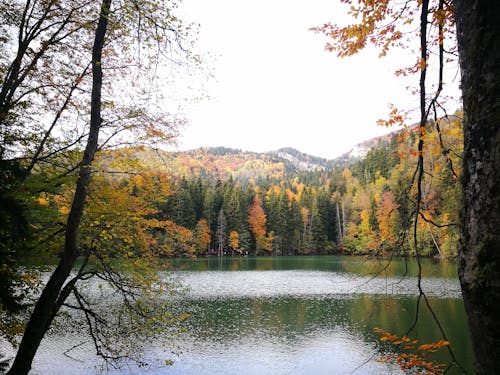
column 51, row 299
column 478, row 30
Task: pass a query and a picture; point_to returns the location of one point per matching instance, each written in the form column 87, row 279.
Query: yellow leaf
column 43, row 201
column 64, row 210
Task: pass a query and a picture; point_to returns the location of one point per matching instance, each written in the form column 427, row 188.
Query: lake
column 294, row 315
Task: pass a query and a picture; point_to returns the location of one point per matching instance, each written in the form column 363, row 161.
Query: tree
column 45, row 75
column 234, row 241
column 293, row 227
column 53, row 295
column 221, row 233
column 37, row 31
column 257, row 224
column 13, row 233
column 284, row 225
column 202, row 236
column 29, row 34
column 232, row 207
column 478, row 34
column 58, row 20
column 387, row 219
column 180, row 207
column 209, row 208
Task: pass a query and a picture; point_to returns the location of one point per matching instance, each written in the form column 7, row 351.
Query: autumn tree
column 257, row 223
column 388, row 220
column 77, row 40
column 30, row 35
column 202, row 236
column 382, row 24
column 124, row 241
column 53, row 294
column 234, row 241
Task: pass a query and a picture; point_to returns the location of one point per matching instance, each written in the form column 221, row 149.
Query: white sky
column 275, row 86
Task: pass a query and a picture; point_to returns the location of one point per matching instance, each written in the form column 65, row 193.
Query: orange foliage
column 412, row 357
column 372, row 27
column 122, row 219
column 396, row 118
column 202, row 236
column 257, row 222
column 234, row 241
column 386, row 215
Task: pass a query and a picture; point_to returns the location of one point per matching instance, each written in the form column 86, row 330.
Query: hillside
column 360, row 150
column 223, row 162
column 290, row 203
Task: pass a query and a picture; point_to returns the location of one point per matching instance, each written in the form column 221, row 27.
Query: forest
column 360, row 208
column 363, row 207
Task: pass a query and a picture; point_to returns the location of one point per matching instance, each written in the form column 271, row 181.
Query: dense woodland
column 364, row 207
column 236, row 203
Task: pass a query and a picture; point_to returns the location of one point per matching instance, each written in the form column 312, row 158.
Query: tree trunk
column 50, row 300
column 478, row 33
column 340, row 227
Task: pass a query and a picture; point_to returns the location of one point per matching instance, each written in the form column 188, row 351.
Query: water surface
column 292, row 315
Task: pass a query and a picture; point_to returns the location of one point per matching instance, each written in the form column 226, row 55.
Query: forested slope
column 289, row 203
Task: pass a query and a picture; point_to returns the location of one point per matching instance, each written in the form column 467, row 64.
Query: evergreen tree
column 179, row 207
column 209, row 211
column 196, row 191
column 232, row 208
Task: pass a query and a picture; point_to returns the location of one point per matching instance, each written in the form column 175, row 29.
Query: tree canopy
column 387, row 24
column 77, row 77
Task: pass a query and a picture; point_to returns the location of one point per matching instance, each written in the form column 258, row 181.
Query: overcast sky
column 274, row 85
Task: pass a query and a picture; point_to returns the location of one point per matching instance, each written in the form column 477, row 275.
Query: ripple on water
column 305, row 283
column 269, row 322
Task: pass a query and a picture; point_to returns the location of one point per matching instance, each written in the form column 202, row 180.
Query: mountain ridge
column 225, row 162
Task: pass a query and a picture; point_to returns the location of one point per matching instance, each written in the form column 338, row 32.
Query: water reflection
column 366, row 266
column 305, row 283
column 333, row 351
column 308, row 315
column 291, row 319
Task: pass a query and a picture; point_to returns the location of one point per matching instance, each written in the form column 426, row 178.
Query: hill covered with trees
column 288, row 203
column 223, row 162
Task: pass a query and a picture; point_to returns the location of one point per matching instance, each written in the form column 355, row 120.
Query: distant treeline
column 367, row 207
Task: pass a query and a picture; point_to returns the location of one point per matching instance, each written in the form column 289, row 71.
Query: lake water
column 293, row 315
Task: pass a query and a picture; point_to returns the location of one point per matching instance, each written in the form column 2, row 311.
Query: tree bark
column 49, row 301
column 478, row 33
